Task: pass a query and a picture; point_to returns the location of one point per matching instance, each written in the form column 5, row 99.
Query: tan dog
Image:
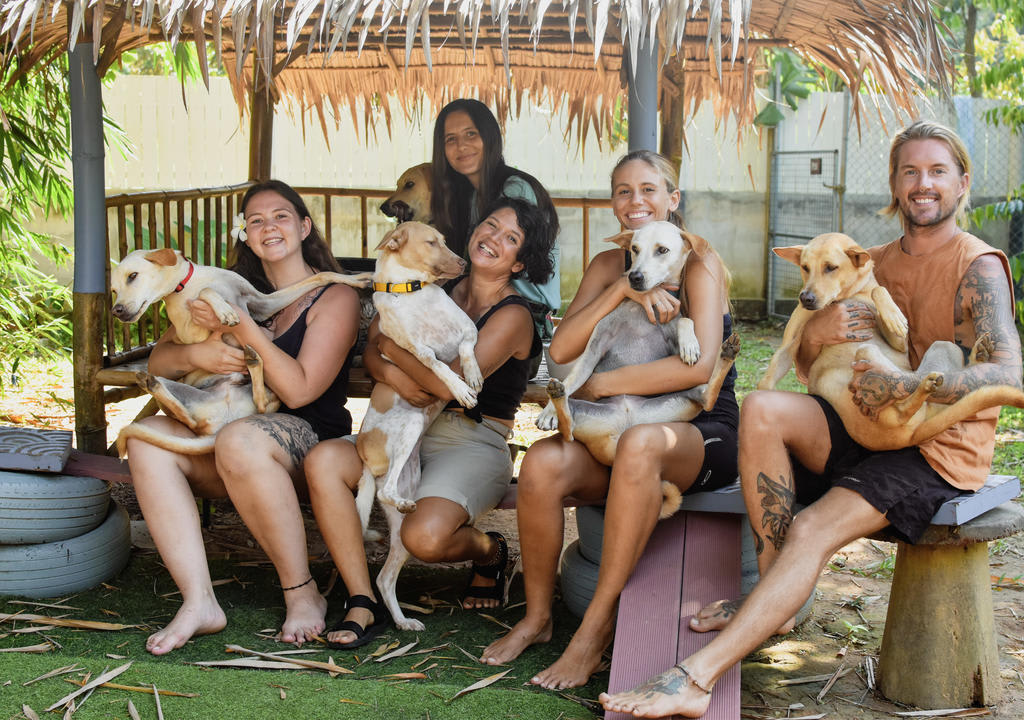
column 411, row 200
column 835, row 268
column 626, row 336
column 203, row 402
column 423, row 319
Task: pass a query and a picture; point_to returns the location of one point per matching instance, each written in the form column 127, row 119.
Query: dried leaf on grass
column 415, row 608
column 495, row 620
column 65, row 622
column 489, row 680
column 399, row 652
column 89, row 686
column 405, row 676
column 352, row 702
column 53, row 673
column 249, row 663
column 134, row 688
column 40, row 648
column 384, row 648
column 159, row 709
column 471, row 657
column 29, row 713
column 34, row 603
column 812, row 678
column 132, row 712
column 41, row 628
column 951, row 712
column 313, row 664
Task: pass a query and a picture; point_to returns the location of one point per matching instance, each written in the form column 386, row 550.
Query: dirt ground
column 844, row 630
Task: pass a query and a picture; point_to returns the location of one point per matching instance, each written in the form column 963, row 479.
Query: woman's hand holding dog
column 215, row 356
column 660, row 303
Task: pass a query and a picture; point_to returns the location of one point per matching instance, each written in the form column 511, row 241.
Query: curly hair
column 538, row 238
column 315, row 251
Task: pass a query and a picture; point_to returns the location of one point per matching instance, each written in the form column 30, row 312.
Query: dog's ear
column 428, row 176
column 624, row 239
column 697, row 244
column 394, row 239
column 166, row 257
column 790, row 254
column 858, row 256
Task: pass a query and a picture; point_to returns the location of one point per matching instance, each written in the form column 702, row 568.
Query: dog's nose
column 118, row 310
column 636, row 280
column 808, row 299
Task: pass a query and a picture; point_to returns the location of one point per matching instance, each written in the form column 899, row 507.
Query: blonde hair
column 927, row 130
column 667, row 171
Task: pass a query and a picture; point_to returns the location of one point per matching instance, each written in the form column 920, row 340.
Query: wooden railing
column 198, row 222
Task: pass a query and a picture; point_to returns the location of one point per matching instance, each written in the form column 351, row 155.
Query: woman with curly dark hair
column 469, row 176
column 464, row 458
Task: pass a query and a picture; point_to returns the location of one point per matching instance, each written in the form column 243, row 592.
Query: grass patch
column 253, row 603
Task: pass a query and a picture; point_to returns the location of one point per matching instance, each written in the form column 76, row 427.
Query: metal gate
column 804, row 203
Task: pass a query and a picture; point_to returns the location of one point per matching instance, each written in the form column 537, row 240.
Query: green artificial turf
column 253, row 603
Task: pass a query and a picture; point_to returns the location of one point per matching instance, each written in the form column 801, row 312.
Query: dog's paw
column 689, row 351
column 405, row 506
column 465, row 395
column 407, row 624
column 932, row 382
column 228, row 317
column 547, row 419
column 474, row 378
column 731, row 347
column 372, row 535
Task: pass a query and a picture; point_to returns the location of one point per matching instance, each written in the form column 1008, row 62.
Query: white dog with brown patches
column 421, row 318
column 202, row 401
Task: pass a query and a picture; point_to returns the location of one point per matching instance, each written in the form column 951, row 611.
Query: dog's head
column 411, row 201
column 414, row 251
column 833, row 267
column 142, row 278
column 659, row 251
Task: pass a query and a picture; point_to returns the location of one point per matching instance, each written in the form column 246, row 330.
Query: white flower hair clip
column 238, row 229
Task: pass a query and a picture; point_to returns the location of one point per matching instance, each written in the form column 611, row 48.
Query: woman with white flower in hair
column 306, row 351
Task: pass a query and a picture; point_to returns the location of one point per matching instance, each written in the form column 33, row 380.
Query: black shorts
column 899, row 483
column 720, row 459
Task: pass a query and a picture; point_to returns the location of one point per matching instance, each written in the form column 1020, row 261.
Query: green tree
column 34, row 151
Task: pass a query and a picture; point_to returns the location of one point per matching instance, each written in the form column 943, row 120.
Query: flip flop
column 381, row 620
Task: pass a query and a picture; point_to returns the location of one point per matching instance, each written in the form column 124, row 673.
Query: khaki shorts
column 466, row 462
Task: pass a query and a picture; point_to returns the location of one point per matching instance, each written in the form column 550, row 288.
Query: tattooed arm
column 845, row 321
column 983, row 306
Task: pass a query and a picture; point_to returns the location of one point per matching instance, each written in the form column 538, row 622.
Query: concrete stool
column 939, row 647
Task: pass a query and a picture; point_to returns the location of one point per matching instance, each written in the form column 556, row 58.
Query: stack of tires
column 58, row 534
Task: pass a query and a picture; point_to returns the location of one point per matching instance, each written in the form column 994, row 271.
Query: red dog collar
column 188, row 275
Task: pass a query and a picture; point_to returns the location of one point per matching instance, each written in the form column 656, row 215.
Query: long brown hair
column 315, row 251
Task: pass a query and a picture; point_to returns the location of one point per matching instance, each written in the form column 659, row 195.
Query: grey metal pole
column 643, row 96
column 90, row 287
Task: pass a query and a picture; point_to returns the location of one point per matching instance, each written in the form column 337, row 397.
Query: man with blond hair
column 951, row 286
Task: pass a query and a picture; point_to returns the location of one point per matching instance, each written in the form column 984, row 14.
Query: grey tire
column 590, row 523
column 750, row 574
column 578, row 579
column 36, row 508
column 66, row 566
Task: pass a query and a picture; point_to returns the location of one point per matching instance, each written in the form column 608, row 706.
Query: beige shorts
column 466, row 462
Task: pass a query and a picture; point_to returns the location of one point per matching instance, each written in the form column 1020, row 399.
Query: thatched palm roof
column 336, row 53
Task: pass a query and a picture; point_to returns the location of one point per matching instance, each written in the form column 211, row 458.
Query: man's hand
column 875, row 387
column 659, row 302
column 844, row 321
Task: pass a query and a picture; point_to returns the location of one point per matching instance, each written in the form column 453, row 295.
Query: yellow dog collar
column 406, row 287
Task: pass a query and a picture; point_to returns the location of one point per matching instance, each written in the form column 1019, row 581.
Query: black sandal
column 381, row 619
column 496, row 571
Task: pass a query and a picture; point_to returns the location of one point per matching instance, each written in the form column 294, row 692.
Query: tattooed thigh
column 294, row 435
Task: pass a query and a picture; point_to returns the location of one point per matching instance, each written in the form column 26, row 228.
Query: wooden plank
column 104, row 467
column 23, row 448
column 711, row 571
column 649, row 607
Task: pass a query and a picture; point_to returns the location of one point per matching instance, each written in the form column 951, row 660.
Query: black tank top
column 327, row 415
column 505, row 387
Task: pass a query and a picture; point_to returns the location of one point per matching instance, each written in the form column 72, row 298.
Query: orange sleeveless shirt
column 924, row 287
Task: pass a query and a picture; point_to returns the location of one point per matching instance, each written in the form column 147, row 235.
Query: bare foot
column 716, row 615
column 524, row 634
column 670, row 693
column 579, row 661
column 192, row 618
column 304, row 615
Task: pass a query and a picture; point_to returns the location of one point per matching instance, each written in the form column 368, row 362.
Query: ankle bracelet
column 296, row 587
column 685, row 671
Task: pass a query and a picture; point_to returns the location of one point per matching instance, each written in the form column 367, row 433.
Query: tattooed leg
column 260, row 461
column 674, row 692
column 777, row 499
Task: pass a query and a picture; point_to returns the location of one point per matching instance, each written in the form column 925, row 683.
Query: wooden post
column 672, row 78
column 90, row 285
column 261, row 127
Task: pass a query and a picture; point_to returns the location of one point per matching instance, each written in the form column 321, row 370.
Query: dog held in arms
column 411, row 199
column 834, row 268
column 204, row 402
column 626, row 336
column 421, row 318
